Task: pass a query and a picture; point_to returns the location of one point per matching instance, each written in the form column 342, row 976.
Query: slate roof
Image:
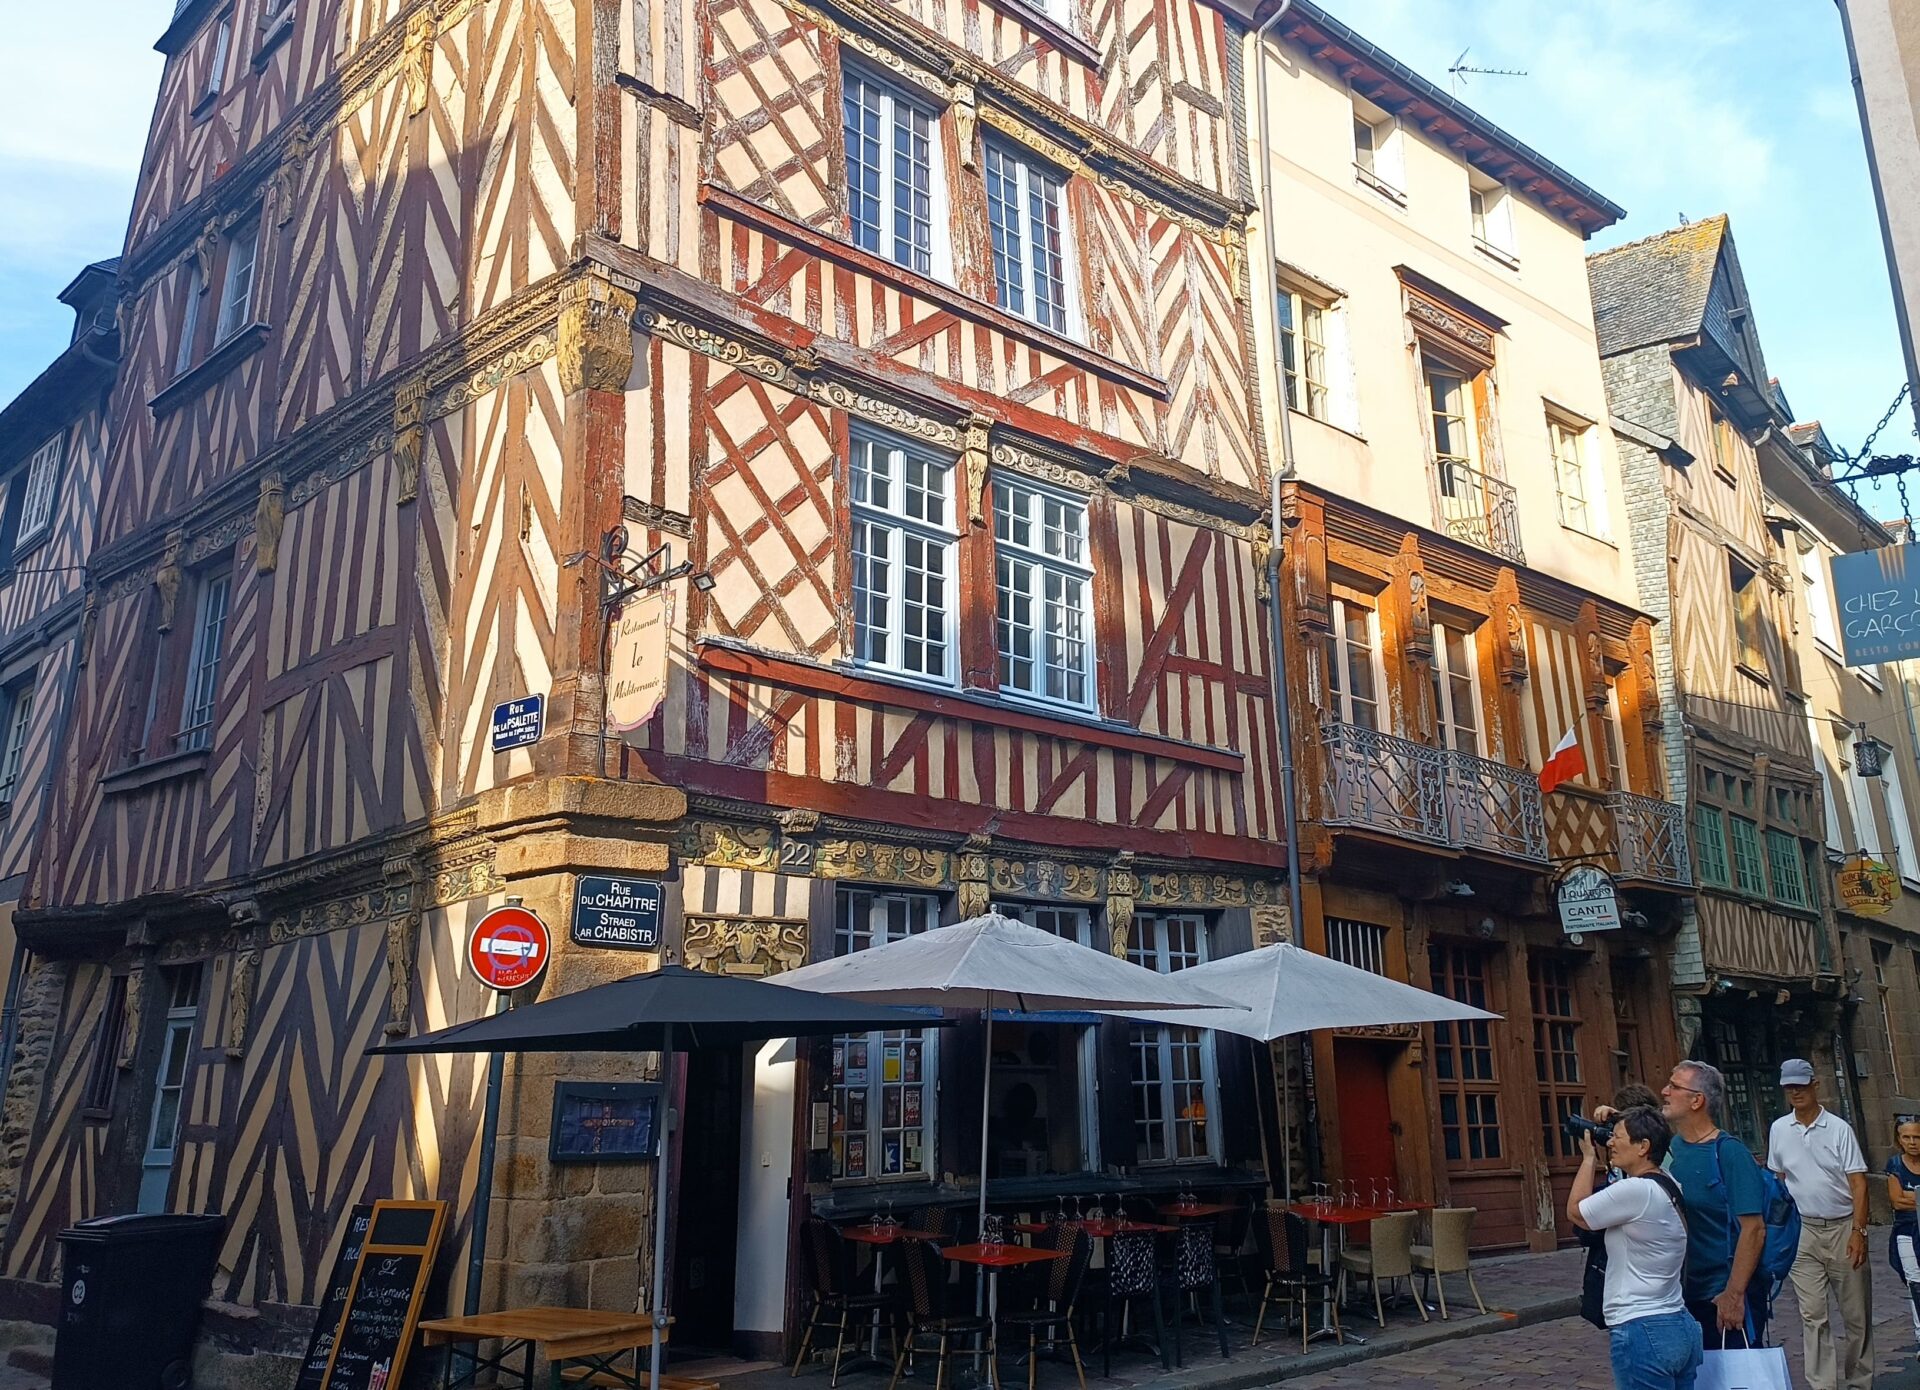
column 1655, row 290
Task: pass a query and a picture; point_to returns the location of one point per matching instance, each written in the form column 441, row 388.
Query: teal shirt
column 1720, row 1181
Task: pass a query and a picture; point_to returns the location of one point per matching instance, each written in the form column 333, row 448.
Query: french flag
column 1566, row 762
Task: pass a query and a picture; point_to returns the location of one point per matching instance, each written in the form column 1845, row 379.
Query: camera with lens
column 1578, row 1125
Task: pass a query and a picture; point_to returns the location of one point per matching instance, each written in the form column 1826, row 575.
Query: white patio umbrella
column 994, row 962
column 1283, row 989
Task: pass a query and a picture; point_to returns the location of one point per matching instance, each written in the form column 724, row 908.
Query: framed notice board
column 333, row 1300
column 383, row 1302
column 604, row 1122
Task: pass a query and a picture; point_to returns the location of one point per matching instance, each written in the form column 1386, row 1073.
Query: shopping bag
column 1761, row 1368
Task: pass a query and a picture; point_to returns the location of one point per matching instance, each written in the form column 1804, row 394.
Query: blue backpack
column 1777, row 1210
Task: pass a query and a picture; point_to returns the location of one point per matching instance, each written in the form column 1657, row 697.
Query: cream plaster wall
column 1329, row 226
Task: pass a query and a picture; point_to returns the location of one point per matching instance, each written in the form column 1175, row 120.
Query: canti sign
column 1878, row 595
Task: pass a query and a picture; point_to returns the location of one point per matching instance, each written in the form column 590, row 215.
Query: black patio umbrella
column 672, row 1009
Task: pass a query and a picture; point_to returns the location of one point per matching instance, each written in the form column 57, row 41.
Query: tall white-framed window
column 217, row 70
column 16, row 722
column 1490, row 210
column 1043, row 569
column 43, row 479
column 196, row 290
column 1303, row 354
column 1456, row 689
column 1379, row 157
column 236, row 290
column 169, row 1085
column 903, row 557
column 1033, row 261
column 1836, row 838
column 1819, row 591
column 1354, row 677
column 202, row 697
column 1583, row 496
column 885, row 1084
column 1616, row 739
column 1045, row 1113
column 1450, row 405
column 1175, row 1090
column 896, row 194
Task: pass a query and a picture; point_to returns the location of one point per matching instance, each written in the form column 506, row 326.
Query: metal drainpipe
column 1282, row 702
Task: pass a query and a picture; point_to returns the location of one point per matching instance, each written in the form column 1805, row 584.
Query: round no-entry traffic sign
column 509, row 948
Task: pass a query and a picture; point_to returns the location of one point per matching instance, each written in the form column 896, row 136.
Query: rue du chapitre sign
column 623, row 913
column 1877, row 593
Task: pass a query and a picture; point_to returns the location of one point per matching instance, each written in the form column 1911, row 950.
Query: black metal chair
column 1133, row 1273
column 835, row 1303
column 1281, row 1237
column 1230, row 1246
column 1050, row 1314
column 924, row 1277
column 1191, row 1272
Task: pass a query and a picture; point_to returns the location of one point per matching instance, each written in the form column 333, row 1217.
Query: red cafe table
column 879, row 1238
column 993, row 1259
column 1340, row 1216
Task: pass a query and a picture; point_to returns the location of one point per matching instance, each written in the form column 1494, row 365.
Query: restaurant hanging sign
column 1587, row 901
column 1866, row 887
column 637, row 660
column 1877, row 593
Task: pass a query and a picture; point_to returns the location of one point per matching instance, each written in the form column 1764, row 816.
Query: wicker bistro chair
column 924, row 1275
column 1281, row 1237
column 1050, row 1315
column 1191, row 1272
column 1133, row 1273
column 1389, row 1256
column 1452, row 1229
column 835, row 1302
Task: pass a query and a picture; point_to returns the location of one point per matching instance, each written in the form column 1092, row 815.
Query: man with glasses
column 1818, row 1156
column 1720, row 1180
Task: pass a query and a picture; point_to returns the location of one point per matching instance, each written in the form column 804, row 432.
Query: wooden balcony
column 1394, row 786
column 1479, row 508
column 1652, row 837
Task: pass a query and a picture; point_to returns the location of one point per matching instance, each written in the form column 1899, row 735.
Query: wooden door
column 1366, row 1117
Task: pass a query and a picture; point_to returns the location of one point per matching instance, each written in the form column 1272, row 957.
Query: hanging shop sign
column 1587, row 900
column 519, row 723
column 1867, row 887
column 1877, row 593
column 509, row 948
column 623, row 913
column 637, row 664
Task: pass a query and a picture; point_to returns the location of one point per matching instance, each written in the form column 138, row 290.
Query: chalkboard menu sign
column 383, row 1303
column 333, row 1300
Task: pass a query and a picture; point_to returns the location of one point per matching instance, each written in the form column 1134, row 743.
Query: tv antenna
column 1461, row 69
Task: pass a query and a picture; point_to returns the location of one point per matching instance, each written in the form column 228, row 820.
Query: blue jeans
column 1656, row 1353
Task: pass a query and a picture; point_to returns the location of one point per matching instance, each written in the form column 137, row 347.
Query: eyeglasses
column 1691, row 1090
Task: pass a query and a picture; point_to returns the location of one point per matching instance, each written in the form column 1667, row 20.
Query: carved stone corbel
column 286, row 178
column 974, row 449
column 966, row 117
column 1234, row 239
column 244, row 914
column 204, row 251
column 269, row 520
column 1123, row 886
column 595, row 347
column 167, row 579
column 1260, row 536
column 409, row 436
column 416, row 60
column 972, row 875
column 403, row 941
column 130, row 1018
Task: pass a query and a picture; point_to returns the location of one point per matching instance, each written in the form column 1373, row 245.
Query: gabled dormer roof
column 1683, row 289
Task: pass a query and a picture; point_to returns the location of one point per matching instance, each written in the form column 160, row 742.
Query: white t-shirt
column 1646, row 1249
column 1815, row 1160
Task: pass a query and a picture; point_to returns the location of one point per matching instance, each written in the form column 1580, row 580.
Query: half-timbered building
column 1458, row 596
column 53, row 440
column 917, row 335
column 1694, row 414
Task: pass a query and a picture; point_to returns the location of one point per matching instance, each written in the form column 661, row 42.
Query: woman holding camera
column 1655, row 1341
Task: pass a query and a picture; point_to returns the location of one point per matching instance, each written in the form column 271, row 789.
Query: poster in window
column 857, row 1156
column 857, row 1064
column 892, row 1156
column 890, row 1063
column 857, row 1110
column 838, row 1148
column 912, row 1072
column 890, row 1108
column 910, row 1106
column 839, row 1064
column 913, row 1151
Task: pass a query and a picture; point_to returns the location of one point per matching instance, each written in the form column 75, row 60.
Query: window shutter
column 1390, row 159
column 1342, row 395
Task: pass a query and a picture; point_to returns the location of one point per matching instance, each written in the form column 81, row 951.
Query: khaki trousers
column 1820, row 1268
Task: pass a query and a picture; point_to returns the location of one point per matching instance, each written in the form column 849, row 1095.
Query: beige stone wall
column 1886, row 48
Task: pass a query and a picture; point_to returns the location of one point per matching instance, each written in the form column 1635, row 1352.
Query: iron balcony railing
column 1652, row 835
column 1479, row 509
column 1382, row 782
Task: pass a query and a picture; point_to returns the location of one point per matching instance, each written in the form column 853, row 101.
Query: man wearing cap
column 1816, row 1154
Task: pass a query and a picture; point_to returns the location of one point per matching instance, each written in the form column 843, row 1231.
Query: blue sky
column 1680, row 107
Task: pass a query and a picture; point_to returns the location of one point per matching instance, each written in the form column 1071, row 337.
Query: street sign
column 1878, row 595
column 1587, row 901
column 518, row 723
column 509, row 948
column 623, row 913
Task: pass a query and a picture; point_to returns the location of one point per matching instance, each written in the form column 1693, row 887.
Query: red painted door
column 1366, row 1119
